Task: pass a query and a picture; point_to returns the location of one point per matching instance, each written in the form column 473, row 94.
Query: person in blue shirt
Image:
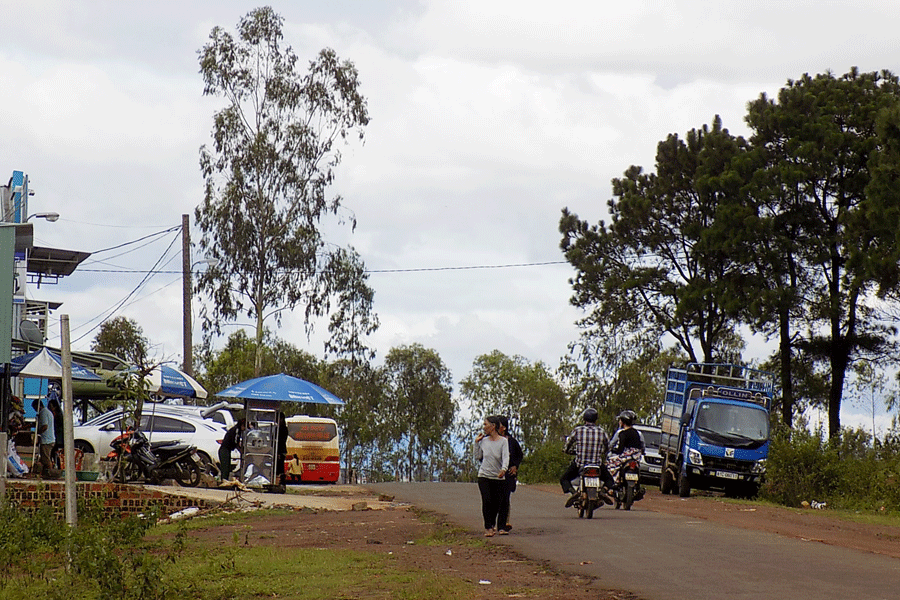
column 44, row 429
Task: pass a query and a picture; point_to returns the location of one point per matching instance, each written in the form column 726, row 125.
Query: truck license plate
column 654, row 469
column 592, row 482
column 631, row 476
column 727, row 475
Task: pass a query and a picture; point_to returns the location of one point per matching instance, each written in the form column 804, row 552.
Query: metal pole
column 7, row 258
column 188, row 363
column 68, row 422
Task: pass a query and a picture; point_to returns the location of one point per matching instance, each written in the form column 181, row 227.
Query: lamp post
column 186, row 269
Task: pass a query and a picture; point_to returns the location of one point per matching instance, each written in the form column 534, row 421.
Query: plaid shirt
column 588, row 443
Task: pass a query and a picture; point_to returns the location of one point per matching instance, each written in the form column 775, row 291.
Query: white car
column 651, row 461
column 160, row 423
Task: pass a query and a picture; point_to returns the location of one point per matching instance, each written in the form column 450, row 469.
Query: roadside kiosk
column 262, row 403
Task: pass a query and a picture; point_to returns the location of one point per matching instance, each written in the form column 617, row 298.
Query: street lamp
column 50, row 216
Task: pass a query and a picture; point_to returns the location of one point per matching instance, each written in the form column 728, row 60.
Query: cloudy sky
column 488, row 118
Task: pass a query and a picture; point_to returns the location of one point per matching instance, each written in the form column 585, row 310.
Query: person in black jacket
column 515, row 459
column 233, row 440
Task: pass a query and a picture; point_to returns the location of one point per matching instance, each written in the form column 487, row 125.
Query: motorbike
column 589, row 496
column 137, row 459
column 628, row 488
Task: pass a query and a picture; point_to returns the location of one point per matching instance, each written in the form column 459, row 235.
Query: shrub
column 545, row 464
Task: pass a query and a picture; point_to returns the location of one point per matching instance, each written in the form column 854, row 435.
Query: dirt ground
column 495, row 570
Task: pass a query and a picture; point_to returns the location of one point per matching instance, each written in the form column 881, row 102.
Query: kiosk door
column 260, row 439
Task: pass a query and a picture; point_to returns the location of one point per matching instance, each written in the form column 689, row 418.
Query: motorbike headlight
column 695, row 457
column 759, row 467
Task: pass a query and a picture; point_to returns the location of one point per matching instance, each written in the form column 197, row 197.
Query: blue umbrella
column 282, row 388
column 45, row 364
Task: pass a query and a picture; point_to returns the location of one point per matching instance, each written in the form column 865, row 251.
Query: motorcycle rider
column 588, row 442
column 627, row 443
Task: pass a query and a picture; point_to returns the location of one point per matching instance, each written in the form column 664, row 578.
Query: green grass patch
column 116, row 559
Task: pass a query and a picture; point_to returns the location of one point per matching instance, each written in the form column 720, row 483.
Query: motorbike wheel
column 188, row 473
column 590, row 509
column 629, row 497
column 127, row 471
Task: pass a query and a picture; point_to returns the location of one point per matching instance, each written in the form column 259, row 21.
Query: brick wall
column 123, row 498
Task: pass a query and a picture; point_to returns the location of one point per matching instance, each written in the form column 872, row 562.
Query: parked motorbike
column 589, row 497
column 137, row 459
column 628, row 483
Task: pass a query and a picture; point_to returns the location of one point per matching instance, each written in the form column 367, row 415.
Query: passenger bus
column 315, row 442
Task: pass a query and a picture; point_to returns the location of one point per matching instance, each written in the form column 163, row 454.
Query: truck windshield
column 735, row 425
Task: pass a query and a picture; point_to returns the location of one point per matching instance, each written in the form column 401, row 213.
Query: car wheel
column 84, row 446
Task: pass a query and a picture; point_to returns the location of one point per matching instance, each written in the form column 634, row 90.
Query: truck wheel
column 684, row 485
column 666, row 481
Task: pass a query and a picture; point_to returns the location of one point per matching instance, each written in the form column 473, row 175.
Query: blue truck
column 715, row 428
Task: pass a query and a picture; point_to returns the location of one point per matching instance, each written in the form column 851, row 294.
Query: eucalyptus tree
column 275, row 147
column 651, row 271
column 821, row 141
column 527, row 393
column 419, row 409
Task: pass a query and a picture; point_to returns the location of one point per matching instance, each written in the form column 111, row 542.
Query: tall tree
column 420, row 408
column 122, row 337
column 273, row 158
column 219, row 369
column 821, row 139
column 527, row 393
column 651, row 271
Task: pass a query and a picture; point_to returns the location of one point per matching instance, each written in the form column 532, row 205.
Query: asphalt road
column 666, row 557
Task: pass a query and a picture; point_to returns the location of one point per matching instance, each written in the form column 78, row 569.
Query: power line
column 410, row 270
column 140, row 239
column 112, row 311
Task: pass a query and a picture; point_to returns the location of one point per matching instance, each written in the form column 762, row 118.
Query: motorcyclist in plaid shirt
column 589, row 444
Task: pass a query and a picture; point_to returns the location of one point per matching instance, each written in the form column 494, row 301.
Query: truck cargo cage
column 734, row 376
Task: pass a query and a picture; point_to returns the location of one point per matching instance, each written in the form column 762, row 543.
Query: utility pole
column 188, row 363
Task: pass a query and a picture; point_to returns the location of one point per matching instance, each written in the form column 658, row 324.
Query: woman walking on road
column 492, row 450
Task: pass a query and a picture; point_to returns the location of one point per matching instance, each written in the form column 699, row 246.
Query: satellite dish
column 30, row 332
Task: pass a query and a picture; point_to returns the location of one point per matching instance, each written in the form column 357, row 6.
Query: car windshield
column 735, row 425
column 651, row 438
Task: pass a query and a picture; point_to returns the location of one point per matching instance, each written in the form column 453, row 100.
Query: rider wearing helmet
column 588, row 442
column 627, row 442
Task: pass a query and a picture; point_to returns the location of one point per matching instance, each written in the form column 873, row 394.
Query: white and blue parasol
column 282, row 388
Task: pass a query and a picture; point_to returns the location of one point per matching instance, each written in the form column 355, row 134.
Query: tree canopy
column 792, row 232
column 122, row 337
column 275, row 148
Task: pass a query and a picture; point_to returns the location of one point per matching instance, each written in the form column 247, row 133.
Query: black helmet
column 590, row 415
column 627, row 417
